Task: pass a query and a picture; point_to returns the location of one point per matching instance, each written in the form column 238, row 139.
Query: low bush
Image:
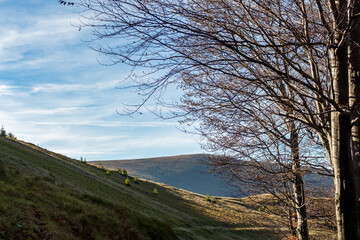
column 155, row 191
column 11, row 136
column 207, row 198
column 124, row 172
column 108, row 172
column 210, row 199
column 136, row 180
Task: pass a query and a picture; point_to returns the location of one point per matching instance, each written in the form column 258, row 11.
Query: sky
column 55, row 94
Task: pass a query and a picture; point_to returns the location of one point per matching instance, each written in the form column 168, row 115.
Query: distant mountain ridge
column 182, row 171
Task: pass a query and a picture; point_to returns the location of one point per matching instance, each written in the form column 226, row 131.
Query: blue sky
column 54, row 93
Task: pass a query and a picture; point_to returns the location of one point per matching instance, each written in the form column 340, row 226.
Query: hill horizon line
column 151, row 158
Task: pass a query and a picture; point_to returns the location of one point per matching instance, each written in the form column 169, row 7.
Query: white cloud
column 98, row 86
column 55, row 94
column 45, row 39
column 8, row 90
column 44, row 30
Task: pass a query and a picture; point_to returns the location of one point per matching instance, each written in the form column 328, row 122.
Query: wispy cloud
column 8, row 90
column 51, row 87
column 44, row 34
column 54, row 93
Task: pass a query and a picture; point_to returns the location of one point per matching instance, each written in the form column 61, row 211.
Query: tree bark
column 302, row 232
column 354, row 97
column 344, row 182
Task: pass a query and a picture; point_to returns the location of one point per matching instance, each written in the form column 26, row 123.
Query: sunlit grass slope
column 44, row 195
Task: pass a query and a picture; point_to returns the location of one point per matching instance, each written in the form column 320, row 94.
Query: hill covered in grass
column 183, row 171
column 44, row 195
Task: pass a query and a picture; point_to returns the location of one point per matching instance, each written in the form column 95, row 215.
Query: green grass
column 44, row 195
column 38, row 207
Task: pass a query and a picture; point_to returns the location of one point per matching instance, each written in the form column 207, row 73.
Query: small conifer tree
column 108, row 172
column 124, row 172
column 2, row 132
column 119, row 170
column 127, row 182
column 82, row 160
column 155, row 191
column 136, row 180
column 207, row 198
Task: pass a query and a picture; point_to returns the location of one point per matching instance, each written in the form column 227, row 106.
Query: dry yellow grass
column 246, row 214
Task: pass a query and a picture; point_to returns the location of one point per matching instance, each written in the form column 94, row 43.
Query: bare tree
column 306, row 48
column 354, row 90
column 264, row 149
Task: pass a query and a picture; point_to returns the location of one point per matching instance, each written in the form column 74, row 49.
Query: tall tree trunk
column 354, row 97
column 302, row 232
column 344, row 182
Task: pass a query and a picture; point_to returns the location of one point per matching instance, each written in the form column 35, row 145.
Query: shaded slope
column 47, row 197
column 44, row 195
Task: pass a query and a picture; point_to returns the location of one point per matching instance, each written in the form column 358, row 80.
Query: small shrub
column 127, row 182
column 119, row 170
column 2, row 132
column 11, row 136
column 124, row 172
column 155, row 191
column 263, row 209
column 136, row 180
column 108, row 172
column 210, row 199
column 207, row 198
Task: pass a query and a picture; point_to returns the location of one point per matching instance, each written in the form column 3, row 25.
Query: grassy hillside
column 44, row 195
column 183, row 171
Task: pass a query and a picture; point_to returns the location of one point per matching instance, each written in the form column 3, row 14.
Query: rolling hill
column 183, row 171
column 45, row 195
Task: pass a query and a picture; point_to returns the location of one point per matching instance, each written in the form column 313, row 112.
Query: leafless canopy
column 264, row 78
